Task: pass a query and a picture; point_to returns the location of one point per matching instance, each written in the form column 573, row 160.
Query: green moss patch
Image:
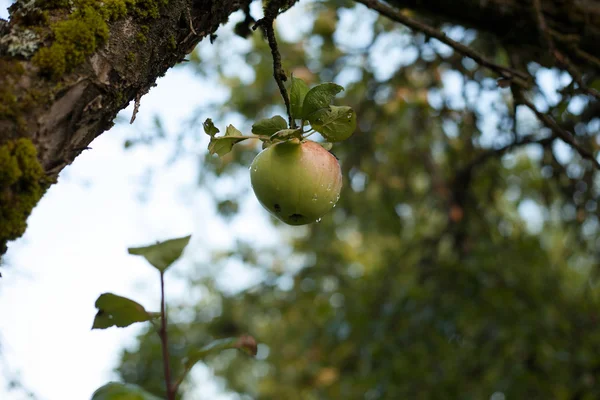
column 85, row 29
column 75, row 39
column 22, row 184
column 10, row 105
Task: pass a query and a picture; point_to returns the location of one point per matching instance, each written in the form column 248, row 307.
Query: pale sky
column 75, row 248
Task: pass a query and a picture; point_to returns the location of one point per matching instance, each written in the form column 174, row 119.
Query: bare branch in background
column 563, row 134
column 519, row 77
column 518, row 80
column 562, row 59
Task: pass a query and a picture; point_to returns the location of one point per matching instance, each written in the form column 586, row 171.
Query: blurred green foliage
column 448, row 270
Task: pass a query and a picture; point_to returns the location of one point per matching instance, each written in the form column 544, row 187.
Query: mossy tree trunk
column 68, row 66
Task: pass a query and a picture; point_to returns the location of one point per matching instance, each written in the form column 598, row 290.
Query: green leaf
column 122, row 391
column 210, row 128
column 319, row 97
column 119, row 311
column 326, row 145
column 269, row 126
column 162, row 254
column 335, row 123
column 223, row 145
column 285, row 134
column 245, row 343
column 297, row 93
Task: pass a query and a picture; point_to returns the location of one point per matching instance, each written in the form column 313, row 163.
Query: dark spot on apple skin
column 277, row 208
column 296, row 217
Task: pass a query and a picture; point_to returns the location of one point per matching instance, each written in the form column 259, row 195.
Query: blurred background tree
column 461, row 260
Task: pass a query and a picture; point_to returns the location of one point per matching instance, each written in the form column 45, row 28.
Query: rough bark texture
column 68, row 66
column 77, row 107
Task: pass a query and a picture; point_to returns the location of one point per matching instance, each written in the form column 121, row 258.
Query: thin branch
column 164, row 339
column 511, row 75
column 189, row 15
column 576, row 75
column 519, row 77
column 266, row 23
column 514, row 60
column 278, row 72
column 136, row 107
column 588, row 57
column 563, row 134
column 486, row 155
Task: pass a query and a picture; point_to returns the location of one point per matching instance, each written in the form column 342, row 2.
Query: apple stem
column 310, row 133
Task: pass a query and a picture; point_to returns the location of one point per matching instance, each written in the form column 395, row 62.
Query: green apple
column 297, row 182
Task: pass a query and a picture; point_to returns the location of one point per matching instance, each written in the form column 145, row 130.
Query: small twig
column 519, row 77
column 189, row 15
column 164, row 340
column 80, row 149
column 563, row 134
column 271, row 12
column 278, row 72
column 243, row 137
column 588, row 57
column 136, row 107
column 483, row 157
column 576, row 75
column 514, row 90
